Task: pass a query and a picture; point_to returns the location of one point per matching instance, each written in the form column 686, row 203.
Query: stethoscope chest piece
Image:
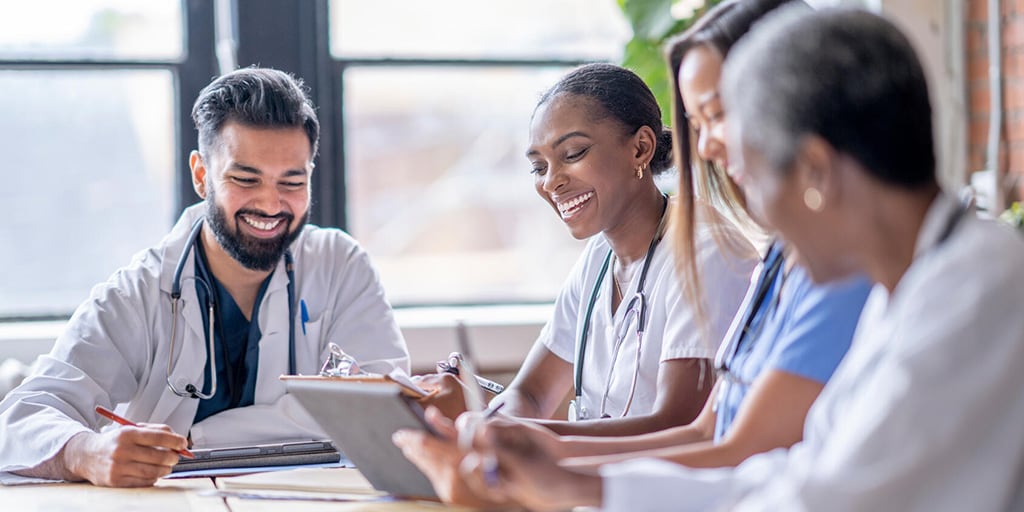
column 576, row 413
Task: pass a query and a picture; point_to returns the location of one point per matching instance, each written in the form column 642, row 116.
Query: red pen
column 107, row 413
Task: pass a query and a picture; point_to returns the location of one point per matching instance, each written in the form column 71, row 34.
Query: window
column 89, row 171
column 87, row 88
column 436, row 119
column 92, row 30
column 425, row 115
column 494, row 29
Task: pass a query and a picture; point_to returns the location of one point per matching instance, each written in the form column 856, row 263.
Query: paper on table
column 294, row 496
column 335, row 480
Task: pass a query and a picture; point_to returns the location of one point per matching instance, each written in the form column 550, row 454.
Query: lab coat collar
column 173, row 245
column 936, row 222
column 274, row 327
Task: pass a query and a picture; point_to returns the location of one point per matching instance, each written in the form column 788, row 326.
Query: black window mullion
column 194, row 73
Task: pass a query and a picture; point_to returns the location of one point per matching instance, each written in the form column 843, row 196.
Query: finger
column 127, row 452
column 468, row 420
column 421, row 449
column 428, row 382
column 147, row 446
column 407, row 440
column 503, row 442
column 156, row 438
column 156, row 426
column 486, row 435
column 143, row 471
column 472, row 470
column 443, row 427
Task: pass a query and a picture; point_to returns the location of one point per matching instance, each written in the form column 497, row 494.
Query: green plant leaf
column 652, row 24
column 644, row 58
column 651, row 19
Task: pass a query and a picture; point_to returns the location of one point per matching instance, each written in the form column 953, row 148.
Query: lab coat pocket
column 312, row 332
column 309, row 348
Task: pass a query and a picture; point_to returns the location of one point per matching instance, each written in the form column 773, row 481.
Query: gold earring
column 813, row 199
column 640, row 172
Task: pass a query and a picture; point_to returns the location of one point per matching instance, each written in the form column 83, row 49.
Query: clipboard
column 360, row 416
column 405, row 384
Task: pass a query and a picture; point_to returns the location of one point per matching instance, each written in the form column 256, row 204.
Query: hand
column 546, row 441
column 449, row 393
column 123, row 457
column 439, row 457
column 527, row 473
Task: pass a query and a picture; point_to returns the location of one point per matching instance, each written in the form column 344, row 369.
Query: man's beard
column 253, row 253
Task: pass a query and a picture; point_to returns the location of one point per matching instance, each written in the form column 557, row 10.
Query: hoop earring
column 813, row 199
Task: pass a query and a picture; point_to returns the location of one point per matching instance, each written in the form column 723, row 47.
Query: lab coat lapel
column 190, row 344
column 273, row 321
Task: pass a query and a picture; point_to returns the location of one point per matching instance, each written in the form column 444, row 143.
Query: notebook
column 284, row 453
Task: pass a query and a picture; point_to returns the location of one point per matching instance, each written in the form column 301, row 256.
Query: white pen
column 475, row 403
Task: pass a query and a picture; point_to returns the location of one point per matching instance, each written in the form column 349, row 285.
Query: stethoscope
column 636, row 306
column 190, row 389
column 774, row 261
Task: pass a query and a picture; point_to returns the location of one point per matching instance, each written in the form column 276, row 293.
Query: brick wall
column 1011, row 158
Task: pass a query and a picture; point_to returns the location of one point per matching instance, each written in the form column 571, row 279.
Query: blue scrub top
column 806, row 330
column 236, row 341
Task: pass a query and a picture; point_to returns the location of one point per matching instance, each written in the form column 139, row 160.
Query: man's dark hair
column 620, row 94
column 258, row 97
column 845, row 75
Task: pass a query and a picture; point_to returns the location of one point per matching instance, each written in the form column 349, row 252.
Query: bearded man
column 189, row 339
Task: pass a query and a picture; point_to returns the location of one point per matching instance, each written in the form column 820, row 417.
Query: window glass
column 91, row 30
column 88, row 180
column 475, row 29
column 439, row 190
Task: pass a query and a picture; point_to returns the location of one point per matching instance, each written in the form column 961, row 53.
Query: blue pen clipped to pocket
column 304, row 312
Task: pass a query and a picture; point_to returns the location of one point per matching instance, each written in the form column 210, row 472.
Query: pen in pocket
column 305, row 315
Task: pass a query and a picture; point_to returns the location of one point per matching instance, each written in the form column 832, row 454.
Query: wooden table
column 177, row 495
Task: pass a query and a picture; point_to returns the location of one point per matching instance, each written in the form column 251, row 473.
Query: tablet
column 284, row 453
column 360, row 418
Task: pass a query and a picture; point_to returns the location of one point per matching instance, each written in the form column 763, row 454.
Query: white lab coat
column 924, row 413
column 114, row 351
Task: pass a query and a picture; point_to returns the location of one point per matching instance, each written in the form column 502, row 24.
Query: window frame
column 189, row 74
column 290, row 36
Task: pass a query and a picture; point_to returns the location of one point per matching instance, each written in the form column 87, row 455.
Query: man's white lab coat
column 115, row 349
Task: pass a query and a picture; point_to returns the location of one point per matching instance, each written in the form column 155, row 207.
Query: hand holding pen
column 120, row 420
column 132, row 456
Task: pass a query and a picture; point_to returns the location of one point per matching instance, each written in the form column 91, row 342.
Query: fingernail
column 399, row 437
